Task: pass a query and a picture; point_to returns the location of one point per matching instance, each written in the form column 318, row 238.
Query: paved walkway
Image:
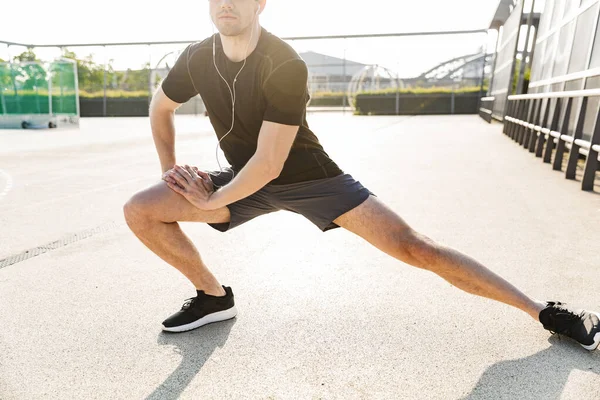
column 321, row 316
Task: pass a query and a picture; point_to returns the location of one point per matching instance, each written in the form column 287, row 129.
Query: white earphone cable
column 231, row 90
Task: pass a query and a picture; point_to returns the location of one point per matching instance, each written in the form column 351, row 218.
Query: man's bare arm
column 274, row 145
column 162, row 115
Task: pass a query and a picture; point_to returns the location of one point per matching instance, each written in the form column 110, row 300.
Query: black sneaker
column 580, row 325
column 201, row 310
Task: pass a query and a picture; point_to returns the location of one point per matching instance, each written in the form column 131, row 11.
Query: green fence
column 36, row 88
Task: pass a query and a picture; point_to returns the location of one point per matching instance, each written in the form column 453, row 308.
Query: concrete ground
column 321, row 315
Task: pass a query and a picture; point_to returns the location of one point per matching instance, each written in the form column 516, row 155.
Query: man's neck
column 236, row 48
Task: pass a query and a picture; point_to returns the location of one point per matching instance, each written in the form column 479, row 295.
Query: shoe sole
column 596, row 339
column 207, row 319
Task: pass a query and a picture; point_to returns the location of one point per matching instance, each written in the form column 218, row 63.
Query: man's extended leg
column 384, row 229
column 152, row 215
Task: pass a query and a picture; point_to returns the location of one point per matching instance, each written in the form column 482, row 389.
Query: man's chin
column 229, row 31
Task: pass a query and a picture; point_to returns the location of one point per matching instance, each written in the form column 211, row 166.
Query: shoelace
column 188, row 303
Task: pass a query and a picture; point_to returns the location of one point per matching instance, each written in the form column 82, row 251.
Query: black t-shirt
column 271, row 87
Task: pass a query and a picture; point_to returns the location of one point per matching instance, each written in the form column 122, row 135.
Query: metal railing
column 486, row 107
column 530, row 122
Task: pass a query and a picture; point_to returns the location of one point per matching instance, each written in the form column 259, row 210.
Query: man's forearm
column 163, row 133
column 253, row 177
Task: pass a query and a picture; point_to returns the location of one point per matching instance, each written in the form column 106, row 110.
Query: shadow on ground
column 542, row 375
column 195, row 348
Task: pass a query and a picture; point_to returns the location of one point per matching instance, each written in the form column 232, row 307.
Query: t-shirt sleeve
column 178, row 85
column 286, row 93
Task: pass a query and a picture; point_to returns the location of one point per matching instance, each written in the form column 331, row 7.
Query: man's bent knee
column 133, row 211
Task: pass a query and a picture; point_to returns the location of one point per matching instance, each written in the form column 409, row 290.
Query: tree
column 31, row 76
column 89, row 74
column 28, row 55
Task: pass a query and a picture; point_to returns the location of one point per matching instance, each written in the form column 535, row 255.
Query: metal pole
column 495, row 59
column 61, row 83
column 76, row 77
column 525, row 55
column 344, row 80
column 375, row 35
column 483, row 70
column 2, row 91
column 397, row 94
column 50, row 91
column 14, row 82
column 150, row 88
column 104, row 101
column 3, row 100
column 514, row 56
column 532, row 53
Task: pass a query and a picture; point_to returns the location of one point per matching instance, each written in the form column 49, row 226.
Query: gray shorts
column 321, row 201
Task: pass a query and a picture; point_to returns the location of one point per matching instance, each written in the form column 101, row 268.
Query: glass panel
column 549, row 56
column 590, row 117
column 563, row 110
column 563, row 50
column 546, row 17
column 557, row 13
column 542, row 115
column 536, row 66
column 574, row 112
column 583, row 38
column 64, row 88
column 557, row 87
column 592, row 108
column 574, row 85
column 24, row 88
column 593, row 82
column 595, row 59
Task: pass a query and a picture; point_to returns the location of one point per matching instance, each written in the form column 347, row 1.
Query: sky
column 65, row 21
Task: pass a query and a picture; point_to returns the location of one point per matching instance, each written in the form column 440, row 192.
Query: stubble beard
column 232, row 31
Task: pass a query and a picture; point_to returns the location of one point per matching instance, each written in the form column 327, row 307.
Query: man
column 254, row 87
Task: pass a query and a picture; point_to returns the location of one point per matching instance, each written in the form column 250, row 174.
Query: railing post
column 527, row 118
column 516, row 113
column 553, row 127
column 530, row 119
column 574, row 153
column 519, row 116
column 560, row 148
column 529, row 143
column 507, row 124
column 539, row 147
column 591, row 161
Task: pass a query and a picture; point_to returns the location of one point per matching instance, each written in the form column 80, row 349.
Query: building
column 329, row 74
column 555, row 116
